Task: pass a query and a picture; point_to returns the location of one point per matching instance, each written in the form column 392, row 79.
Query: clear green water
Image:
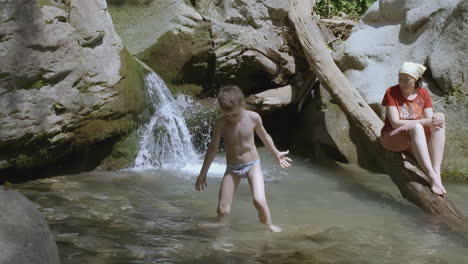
column 327, row 217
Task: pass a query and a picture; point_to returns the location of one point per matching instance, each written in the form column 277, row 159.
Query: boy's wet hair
column 230, row 97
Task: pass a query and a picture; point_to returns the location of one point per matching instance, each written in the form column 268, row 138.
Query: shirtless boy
column 236, row 126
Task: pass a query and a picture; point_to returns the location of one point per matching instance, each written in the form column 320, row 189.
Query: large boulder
column 169, row 36
column 323, row 131
column 270, row 100
column 204, row 44
column 66, row 84
column 24, row 234
column 434, row 33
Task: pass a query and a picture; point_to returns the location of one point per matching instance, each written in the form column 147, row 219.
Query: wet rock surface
column 24, row 234
column 66, row 82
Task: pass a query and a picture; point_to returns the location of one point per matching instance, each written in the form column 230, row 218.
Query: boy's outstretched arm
column 209, row 156
column 280, row 156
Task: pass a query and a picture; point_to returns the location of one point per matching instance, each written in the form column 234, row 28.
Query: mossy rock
column 192, row 90
column 123, row 152
column 200, row 125
column 62, row 4
column 185, row 61
column 106, row 136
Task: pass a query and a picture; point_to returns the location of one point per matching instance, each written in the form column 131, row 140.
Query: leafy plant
column 353, row 9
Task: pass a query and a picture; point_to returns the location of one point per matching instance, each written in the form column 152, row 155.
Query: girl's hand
column 282, row 160
column 438, row 120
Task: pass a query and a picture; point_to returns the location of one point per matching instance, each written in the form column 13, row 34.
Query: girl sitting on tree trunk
column 411, row 124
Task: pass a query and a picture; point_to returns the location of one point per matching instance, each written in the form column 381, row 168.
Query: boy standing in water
column 237, row 126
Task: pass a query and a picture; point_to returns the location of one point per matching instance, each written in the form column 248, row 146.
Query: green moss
column 58, row 108
column 64, row 5
column 37, row 84
column 98, row 129
column 44, row 3
column 4, row 75
column 331, row 106
column 168, row 55
column 132, row 86
column 24, row 161
column 123, row 152
column 15, row 111
column 188, row 89
column 50, row 3
column 457, row 91
column 4, row 38
column 185, row 61
column 454, row 176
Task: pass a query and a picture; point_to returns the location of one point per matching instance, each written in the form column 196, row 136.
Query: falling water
column 165, row 140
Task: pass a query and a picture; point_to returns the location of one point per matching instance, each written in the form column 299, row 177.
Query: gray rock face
column 434, row 33
column 270, row 100
column 250, row 43
column 210, row 43
column 24, row 234
column 62, row 68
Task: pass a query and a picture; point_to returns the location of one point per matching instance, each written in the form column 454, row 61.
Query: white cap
column 416, row 70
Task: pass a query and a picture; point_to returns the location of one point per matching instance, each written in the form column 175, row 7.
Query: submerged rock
column 24, row 234
column 66, row 84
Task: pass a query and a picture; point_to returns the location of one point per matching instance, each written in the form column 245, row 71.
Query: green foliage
column 453, row 176
column 353, row 9
column 37, row 84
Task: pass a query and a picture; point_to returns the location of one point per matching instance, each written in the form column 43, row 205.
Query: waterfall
column 165, row 139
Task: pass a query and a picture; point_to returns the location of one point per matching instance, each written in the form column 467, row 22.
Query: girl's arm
column 394, row 117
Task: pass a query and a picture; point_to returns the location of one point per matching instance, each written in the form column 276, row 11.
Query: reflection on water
column 154, row 216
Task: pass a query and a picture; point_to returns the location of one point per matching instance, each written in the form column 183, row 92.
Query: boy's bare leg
column 226, row 195
column 257, row 186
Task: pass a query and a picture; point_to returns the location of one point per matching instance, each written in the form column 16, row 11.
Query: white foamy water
column 165, row 140
column 216, row 169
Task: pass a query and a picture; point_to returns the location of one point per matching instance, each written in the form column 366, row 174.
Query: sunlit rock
column 66, row 83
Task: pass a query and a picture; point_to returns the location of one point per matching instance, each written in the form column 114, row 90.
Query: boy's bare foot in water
column 274, row 229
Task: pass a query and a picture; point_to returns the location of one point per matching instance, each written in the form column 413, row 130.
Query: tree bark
column 411, row 181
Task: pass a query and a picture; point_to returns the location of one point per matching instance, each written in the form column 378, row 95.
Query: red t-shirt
column 407, row 109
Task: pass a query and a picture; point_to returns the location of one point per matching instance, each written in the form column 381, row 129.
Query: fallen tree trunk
column 411, row 182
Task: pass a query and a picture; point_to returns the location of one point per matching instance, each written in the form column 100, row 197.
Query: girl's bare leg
column 436, row 150
column 421, row 151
